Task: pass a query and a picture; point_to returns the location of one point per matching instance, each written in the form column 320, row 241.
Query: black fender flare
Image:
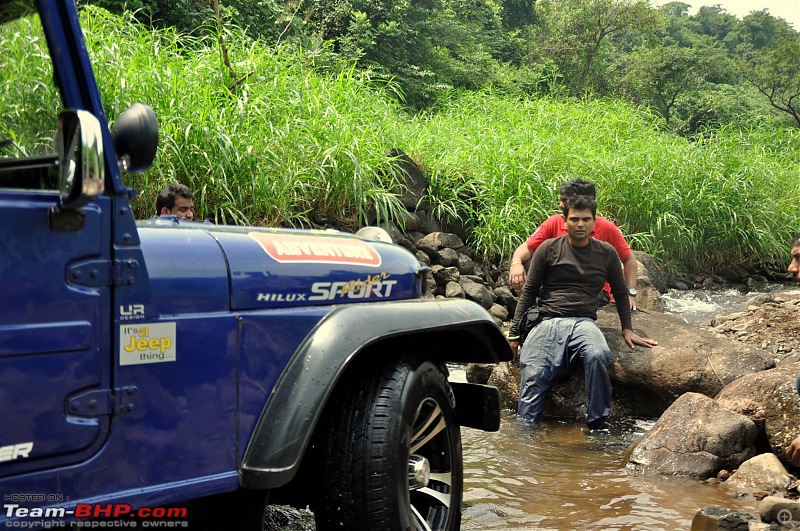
column 452, row 330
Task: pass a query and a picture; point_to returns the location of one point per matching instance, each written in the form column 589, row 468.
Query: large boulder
column 646, row 381
column 687, row 358
column 411, row 181
column 695, row 437
column 769, row 399
column 651, row 273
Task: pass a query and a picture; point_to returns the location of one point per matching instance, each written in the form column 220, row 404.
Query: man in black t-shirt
column 567, row 275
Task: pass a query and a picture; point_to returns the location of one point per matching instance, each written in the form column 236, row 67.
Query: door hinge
column 101, row 402
column 99, row 273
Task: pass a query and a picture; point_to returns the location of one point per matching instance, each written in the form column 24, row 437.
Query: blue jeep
column 150, row 364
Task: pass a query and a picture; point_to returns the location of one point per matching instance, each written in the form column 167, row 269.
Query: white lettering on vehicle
column 15, row 451
column 374, row 286
column 288, row 248
column 281, row 297
column 131, row 312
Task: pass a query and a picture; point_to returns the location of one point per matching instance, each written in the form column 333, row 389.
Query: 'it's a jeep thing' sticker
column 146, row 343
column 287, row 248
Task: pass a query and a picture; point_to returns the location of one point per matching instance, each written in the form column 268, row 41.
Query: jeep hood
column 274, row 268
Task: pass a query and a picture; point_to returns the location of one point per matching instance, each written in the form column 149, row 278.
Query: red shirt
column 604, row 230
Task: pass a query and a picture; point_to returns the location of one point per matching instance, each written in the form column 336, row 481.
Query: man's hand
column 516, row 277
column 633, row 303
column 514, row 348
column 793, row 451
column 632, row 339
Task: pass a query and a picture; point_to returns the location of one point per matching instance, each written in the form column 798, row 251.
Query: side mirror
column 79, row 147
column 135, row 136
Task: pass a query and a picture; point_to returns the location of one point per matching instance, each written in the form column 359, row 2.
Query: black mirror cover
column 135, row 137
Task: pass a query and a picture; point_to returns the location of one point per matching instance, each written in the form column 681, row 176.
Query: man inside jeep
column 175, row 200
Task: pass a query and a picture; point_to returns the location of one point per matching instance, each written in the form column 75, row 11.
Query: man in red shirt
column 554, row 227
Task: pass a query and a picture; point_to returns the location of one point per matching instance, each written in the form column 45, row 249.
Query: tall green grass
column 281, row 143
column 729, row 199
column 276, row 145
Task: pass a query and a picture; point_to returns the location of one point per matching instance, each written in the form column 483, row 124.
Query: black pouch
column 529, row 320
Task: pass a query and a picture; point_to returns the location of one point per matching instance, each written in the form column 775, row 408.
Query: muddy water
column 560, row 476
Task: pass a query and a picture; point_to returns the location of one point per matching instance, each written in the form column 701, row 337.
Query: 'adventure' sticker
column 147, row 343
column 287, row 248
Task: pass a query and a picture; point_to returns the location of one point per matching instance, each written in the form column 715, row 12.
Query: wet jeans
column 546, row 356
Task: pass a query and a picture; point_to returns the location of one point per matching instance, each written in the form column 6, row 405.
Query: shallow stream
column 560, row 476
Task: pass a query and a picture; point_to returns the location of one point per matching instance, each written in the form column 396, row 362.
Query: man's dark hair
column 796, row 240
column 579, row 202
column 166, row 198
column 577, row 187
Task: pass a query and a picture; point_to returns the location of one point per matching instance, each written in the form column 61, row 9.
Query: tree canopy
column 679, row 64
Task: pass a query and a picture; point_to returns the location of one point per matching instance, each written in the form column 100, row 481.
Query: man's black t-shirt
column 568, row 280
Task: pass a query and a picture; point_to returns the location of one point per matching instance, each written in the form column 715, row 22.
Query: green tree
column 776, row 74
column 757, row 31
column 425, row 45
column 659, row 76
column 574, row 32
column 714, row 21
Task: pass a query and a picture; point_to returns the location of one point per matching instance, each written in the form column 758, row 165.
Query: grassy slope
column 287, row 142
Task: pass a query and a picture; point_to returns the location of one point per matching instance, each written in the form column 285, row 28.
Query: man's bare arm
column 631, row 273
column 516, row 274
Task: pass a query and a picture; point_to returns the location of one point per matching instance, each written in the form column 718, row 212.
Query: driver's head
column 177, row 200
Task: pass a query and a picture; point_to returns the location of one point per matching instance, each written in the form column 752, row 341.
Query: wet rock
column 728, row 273
column 505, row 377
column 718, row 518
column 779, row 510
column 286, row 518
column 646, row 381
column 687, row 359
column 423, row 258
column 479, row 372
column 695, row 437
column 761, row 473
column 769, row 399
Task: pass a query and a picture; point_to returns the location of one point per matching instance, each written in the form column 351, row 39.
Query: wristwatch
column 632, row 292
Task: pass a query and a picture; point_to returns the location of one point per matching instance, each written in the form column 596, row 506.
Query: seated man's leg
column 542, row 359
column 589, row 343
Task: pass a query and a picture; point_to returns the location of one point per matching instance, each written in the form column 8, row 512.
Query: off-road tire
column 371, row 429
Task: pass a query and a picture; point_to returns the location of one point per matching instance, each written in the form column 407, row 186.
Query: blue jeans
column 546, row 356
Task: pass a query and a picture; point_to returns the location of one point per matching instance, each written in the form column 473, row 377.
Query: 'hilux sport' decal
column 375, row 286
column 288, row 248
